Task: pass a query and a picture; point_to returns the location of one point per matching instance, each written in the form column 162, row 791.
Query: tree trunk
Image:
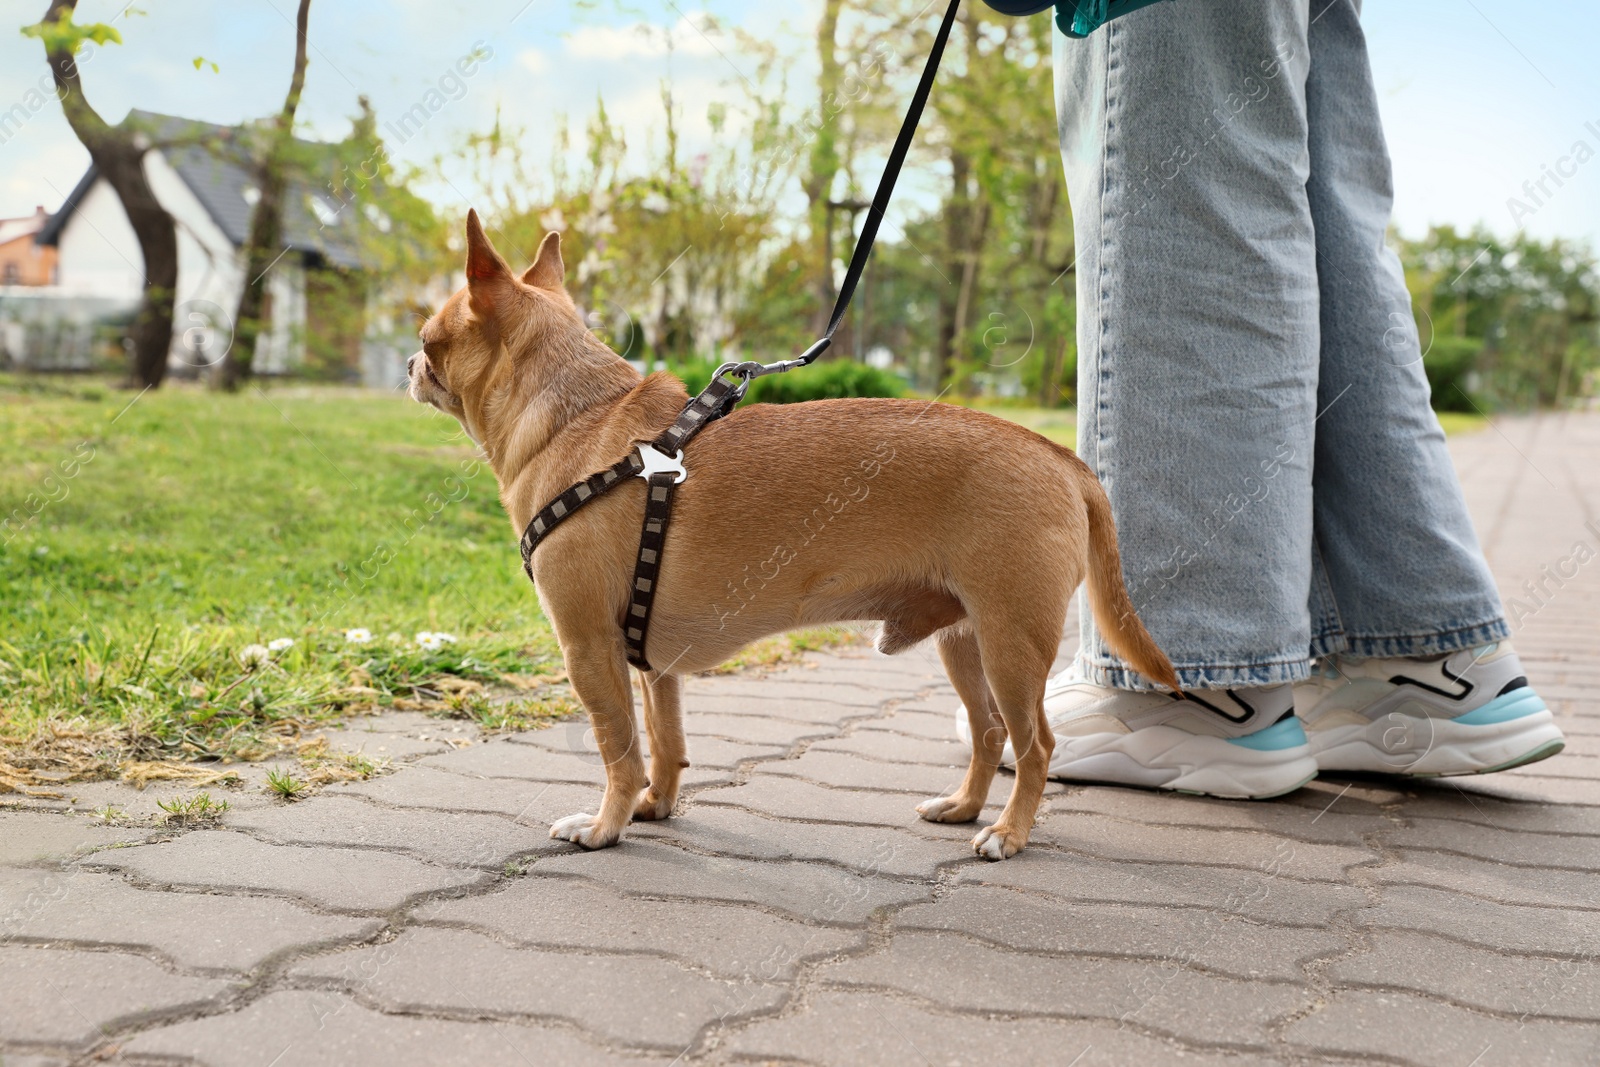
column 966, row 225
column 118, row 156
column 824, row 164
column 261, row 249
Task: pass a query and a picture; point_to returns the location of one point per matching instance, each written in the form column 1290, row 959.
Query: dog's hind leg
column 1017, row 662
column 663, row 718
column 599, row 673
column 958, row 648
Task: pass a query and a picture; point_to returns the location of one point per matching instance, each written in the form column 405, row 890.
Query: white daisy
column 359, row 636
column 278, row 644
column 429, row 641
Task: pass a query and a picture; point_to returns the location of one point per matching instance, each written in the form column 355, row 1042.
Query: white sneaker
column 1239, row 743
column 1466, row 712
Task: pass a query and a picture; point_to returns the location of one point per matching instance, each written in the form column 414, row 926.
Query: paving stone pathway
column 797, row 910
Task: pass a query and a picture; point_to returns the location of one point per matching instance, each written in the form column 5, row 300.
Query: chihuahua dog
column 931, row 519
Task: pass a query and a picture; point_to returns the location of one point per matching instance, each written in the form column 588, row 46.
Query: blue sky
column 1473, row 107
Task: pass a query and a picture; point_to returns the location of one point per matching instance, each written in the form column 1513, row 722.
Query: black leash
column 661, row 461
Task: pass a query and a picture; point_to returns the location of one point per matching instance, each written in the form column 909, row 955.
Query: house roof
column 213, row 162
column 11, row 229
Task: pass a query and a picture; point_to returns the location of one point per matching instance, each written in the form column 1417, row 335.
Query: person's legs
column 1414, row 676
column 1400, row 571
column 1183, row 133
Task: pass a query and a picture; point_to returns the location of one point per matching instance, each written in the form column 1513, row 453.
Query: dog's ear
column 489, row 279
column 547, row 272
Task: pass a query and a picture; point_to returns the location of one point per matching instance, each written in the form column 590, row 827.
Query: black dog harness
column 660, row 462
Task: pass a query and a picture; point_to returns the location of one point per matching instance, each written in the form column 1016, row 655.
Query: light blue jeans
column 1250, row 388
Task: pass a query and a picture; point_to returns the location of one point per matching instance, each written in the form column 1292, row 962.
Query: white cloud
column 642, row 39
column 533, row 61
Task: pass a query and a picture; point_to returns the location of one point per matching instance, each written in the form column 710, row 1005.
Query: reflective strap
column 652, row 536
column 561, row 508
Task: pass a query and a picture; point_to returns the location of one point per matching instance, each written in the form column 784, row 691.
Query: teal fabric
column 1080, row 18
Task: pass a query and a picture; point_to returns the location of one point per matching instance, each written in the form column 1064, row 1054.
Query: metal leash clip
column 750, row 370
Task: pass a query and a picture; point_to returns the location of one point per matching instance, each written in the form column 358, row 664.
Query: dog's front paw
column 993, row 843
column 948, row 809
column 583, row 829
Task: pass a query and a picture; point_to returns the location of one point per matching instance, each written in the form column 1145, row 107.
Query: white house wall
column 99, row 256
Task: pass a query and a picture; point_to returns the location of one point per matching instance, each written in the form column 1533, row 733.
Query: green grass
column 148, row 541
column 1058, row 424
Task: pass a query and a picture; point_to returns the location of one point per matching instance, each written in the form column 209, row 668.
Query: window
column 325, row 212
column 12, row 276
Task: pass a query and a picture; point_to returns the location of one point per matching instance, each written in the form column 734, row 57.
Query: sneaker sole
column 1268, row 763
column 1510, row 731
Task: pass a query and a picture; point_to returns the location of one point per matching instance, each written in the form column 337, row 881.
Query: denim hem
column 1202, row 676
column 1393, row 646
column 1329, row 642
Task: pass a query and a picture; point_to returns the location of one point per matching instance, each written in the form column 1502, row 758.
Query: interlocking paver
column 751, row 729
column 34, row 837
column 784, row 797
column 194, row 930
column 429, row 969
column 1514, row 927
column 832, row 700
column 1222, row 942
column 345, row 879
column 943, row 751
column 530, row 763
column 1478, row 977
column 1490, row 880
column 814, row 892
column 1289, row 820
column 1255, row 893
column 911, row 723
column 1166, row 996
column 870, row 849
column 771, row 701
column 457, row 838
column 428, row 787
column 1543, row 789
column 854, row 772
column 325, row 1029
column 68, row 998
column 1111, row 838
column 872, row 1030
column 1416, row 1030
column 1519, row 847
column 738, row 942
column 707, row 751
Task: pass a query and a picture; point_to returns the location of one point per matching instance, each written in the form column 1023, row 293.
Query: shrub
column 820, row 381
column 1448, row 362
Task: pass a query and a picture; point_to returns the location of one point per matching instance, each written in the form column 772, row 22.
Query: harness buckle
column 657, row 462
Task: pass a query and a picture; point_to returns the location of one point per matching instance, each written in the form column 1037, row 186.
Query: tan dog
column 936, row 520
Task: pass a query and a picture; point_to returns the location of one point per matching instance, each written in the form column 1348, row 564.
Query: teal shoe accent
column 1285, row 733
column 1507, row 706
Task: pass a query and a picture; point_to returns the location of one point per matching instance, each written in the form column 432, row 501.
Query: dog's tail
column 1108, row 597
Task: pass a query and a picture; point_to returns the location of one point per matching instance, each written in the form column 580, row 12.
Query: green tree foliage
column 1505, row 323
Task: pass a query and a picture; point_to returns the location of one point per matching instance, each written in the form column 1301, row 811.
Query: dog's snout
column 411, row 361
